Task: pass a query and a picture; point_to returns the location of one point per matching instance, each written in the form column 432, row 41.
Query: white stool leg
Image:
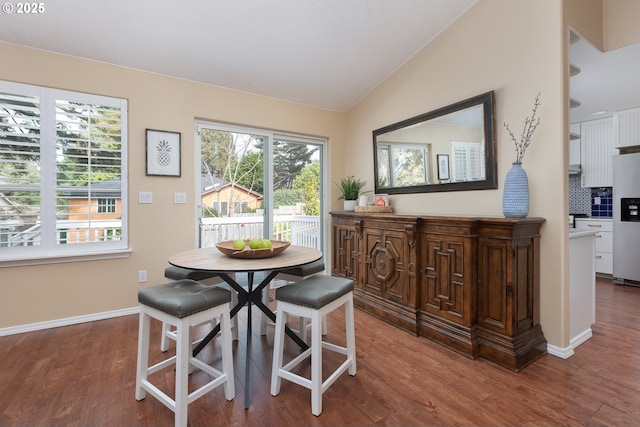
column 227, row 355
column 304, row 326
column 164, row 342
column 183, row 354
column 351, row 334
column 316, row 363
column 234, row 324
column 143, row 353
column 278, row 350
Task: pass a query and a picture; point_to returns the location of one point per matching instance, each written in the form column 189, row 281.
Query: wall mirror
column 452, row 148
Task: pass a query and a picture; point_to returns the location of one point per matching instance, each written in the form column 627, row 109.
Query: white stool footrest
column 158, row 394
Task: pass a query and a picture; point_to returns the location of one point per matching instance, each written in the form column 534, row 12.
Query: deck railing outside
column 300, row 230
column 67, row 232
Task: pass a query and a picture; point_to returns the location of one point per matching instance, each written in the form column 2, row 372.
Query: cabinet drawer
column 595, row 224
column 604, row 241
column 604, row 262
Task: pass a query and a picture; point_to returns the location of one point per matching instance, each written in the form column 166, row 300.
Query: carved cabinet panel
column 447, row 288
column 346, row 250
column 444, row 279
column 386, row 264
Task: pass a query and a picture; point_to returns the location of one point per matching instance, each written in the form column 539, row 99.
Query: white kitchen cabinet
column 626, row 128
column 596, row 137
column 574, row 144
column 604, row 241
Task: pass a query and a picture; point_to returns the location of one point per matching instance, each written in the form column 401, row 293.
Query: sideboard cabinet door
column 346, row 248
column 509, row 331
column 388, row 264
column 447, row 293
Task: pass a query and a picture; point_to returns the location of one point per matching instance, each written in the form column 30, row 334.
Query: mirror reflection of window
column 403, row 165
column 409, row 166
column 467, row 161
column 384, row 162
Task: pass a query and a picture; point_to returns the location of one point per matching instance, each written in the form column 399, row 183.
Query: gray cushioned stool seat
column 179, row 273
column 183, row 298
column 315, row 291
column 306, row 269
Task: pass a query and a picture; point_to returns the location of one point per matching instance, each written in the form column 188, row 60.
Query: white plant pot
column 350, row 205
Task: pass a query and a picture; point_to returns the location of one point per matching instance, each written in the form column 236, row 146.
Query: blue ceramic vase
column 515, row 198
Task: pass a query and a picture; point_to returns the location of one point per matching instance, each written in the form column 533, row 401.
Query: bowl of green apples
column 252, row 248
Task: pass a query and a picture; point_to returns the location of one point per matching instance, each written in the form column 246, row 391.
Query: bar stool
column 183, row 304
column 313, row 298
column 211, row 279
column 291, row 275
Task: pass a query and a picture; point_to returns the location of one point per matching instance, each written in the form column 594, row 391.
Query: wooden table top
column 211, row 259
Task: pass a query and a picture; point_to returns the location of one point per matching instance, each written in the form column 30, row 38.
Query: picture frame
column 443, row 167
column 381, row 200
column 163, row 153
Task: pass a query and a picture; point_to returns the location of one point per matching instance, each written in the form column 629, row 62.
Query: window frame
column 49, row 251
column 270, row 138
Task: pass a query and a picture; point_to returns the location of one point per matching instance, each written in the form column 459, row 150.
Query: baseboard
column 12, row 330
column 579, row 339
column 563, row 353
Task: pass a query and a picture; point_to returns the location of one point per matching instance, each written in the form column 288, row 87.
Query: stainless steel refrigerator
column 626, row 219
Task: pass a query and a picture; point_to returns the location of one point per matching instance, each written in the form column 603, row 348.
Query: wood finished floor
column 84, row 375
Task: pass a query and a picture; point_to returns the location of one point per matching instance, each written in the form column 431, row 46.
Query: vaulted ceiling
column 323, row 53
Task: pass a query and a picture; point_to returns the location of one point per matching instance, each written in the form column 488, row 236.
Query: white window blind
column 468, row 161
column 62, row 173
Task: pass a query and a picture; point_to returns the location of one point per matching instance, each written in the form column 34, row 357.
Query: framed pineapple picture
column 163, row 153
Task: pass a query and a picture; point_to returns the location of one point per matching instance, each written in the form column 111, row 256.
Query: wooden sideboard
column 469, row 283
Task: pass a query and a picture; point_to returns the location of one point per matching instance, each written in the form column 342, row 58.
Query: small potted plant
column 350, row 189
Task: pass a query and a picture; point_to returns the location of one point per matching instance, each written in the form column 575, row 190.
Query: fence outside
column 300, row 230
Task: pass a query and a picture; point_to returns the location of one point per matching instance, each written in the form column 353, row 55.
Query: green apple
column 254, row 243
column 239, row 244
column 265, row 244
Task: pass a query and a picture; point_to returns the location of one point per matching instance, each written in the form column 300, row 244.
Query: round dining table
column 213, row 260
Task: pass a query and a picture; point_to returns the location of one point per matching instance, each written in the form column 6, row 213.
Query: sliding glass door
column 258, row 184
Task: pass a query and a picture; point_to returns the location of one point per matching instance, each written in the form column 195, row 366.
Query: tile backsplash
column 597, row 202
column 602, row 202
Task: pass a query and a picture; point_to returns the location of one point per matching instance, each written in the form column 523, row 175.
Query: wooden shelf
column 573, row 37
column 574, row 103
column 574, row 70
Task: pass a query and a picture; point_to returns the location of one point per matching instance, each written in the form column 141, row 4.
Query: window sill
column 57, row 259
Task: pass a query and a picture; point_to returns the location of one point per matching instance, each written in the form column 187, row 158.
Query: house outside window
column 107, row 205
column 62, row 162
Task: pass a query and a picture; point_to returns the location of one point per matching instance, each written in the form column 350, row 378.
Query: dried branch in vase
column 530, row 125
